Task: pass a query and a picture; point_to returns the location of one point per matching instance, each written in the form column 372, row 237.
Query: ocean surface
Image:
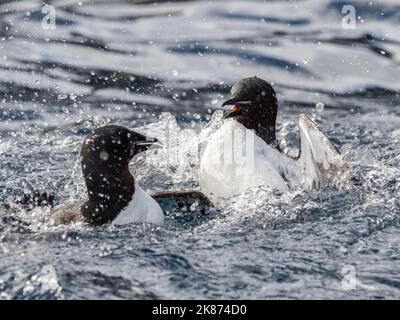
column 165, row 67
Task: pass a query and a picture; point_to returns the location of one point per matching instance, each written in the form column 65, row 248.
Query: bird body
column 141, row 208
column 112, row 194
column 243, row 153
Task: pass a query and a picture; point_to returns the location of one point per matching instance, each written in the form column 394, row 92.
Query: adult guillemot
column 244, row 153
column 113, row 195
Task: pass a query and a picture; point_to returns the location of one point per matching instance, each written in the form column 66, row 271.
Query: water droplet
column 104, row 155
column 319, row 107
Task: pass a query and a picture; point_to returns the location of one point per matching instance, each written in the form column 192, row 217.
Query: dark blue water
column 129, row 62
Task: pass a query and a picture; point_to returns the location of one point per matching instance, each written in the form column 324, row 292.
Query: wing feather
column 318, row 157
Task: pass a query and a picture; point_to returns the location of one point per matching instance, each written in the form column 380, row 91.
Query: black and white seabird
column 112, row 194
column 244, row 152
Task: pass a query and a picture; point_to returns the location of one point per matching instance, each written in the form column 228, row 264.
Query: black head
column 114, row 144
column 110, row 148
column 105, row 156
column 254, row 104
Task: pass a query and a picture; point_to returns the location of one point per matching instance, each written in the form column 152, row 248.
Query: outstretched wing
column 318, row 158
column 36, row 199
column 168, row 200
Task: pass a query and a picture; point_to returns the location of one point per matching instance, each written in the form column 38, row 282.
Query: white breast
column 236, row 159
column 142, row 208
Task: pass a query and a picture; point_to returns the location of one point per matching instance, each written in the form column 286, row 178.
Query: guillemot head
column 254, row 105
column 105, row 156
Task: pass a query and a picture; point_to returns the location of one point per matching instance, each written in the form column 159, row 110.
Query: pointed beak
column 229, row 102
column 236, row 110
column 234, row 100
column 142, row 143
